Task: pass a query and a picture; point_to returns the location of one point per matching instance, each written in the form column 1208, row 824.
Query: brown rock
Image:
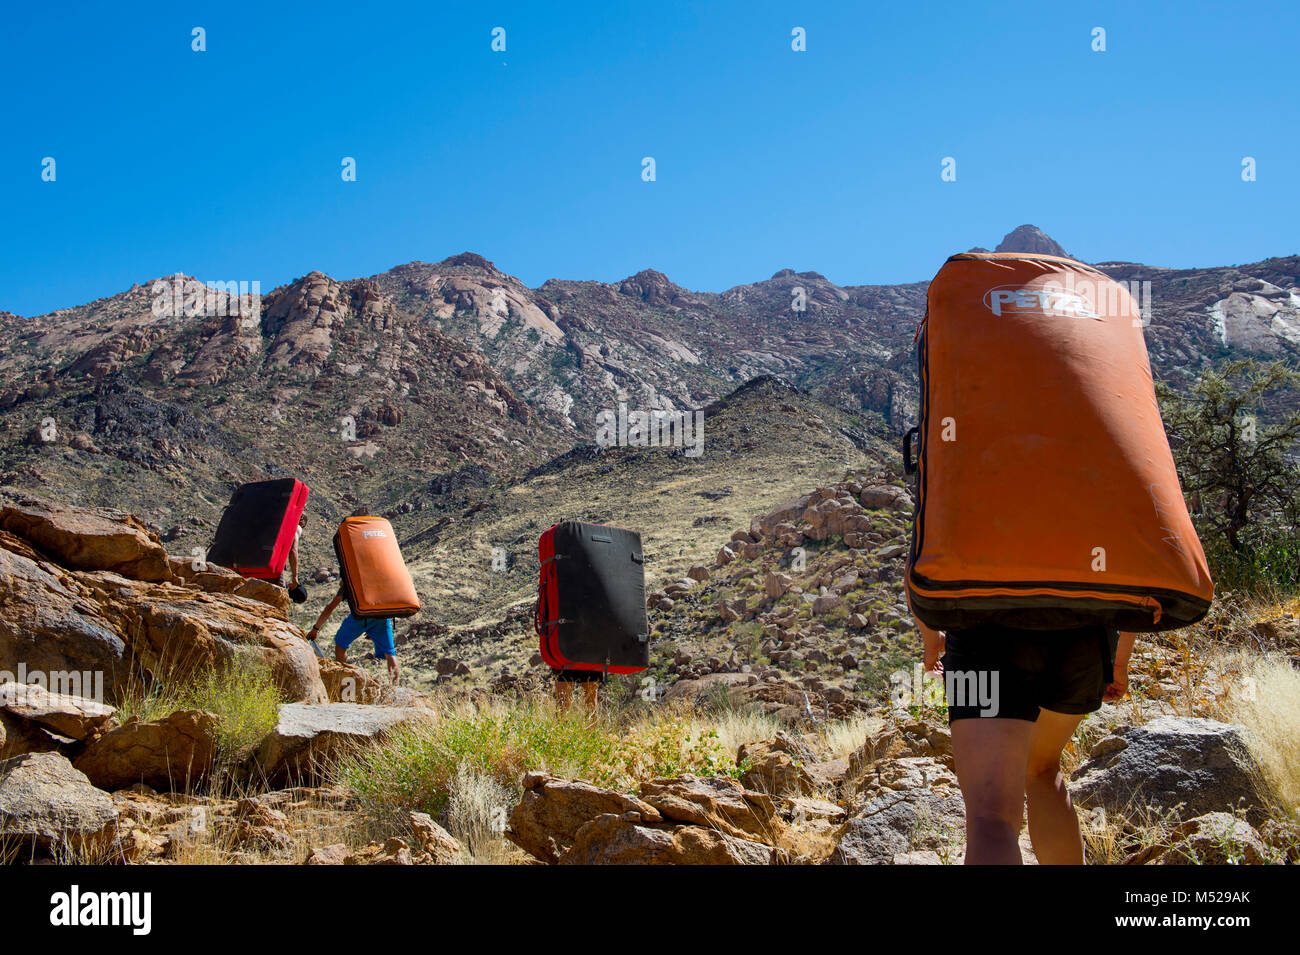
column 721, row 804
column 345, row 683
column 1216, row 838
column 886, row 496
column 611, row 839
column 776, row 767
column 50, row 622
column 170, row 754
column 46, row 804
column 83, row 539
column 335, row 854
column 440, row 844
column 552, row 810
column 176, row 630
column 826, row 603
column 18, row 737
column 72, row 716
column 215, row 579
column 775, row 584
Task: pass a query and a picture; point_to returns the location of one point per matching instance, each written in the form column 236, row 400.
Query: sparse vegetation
column 419, row 766
column 243, row 697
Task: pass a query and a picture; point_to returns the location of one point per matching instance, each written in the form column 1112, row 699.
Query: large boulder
column 1194, row 766
column 622, row 840
column 885, row 496
column 307, row 739
column 47, row 805
column 791, row 512
column 51, row 624
column 168, row 754
column 85, row 539
column 72, row 716
column 81, row 592
column 833, row 518
column 176, row 630
column 546, row 821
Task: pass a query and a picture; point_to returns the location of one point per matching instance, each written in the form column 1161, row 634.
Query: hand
column 1119, row 689
column 1123, row 650
column 934, row 646
column 313, row 633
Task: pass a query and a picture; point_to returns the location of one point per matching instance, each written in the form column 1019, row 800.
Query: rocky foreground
column 91, row 597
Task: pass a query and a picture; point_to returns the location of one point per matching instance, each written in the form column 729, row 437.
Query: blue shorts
column 378, row 629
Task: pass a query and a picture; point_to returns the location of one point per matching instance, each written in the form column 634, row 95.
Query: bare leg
column 394, row 671
column 563, row 695
column 1053, row 823
column 340, row 654
column 591, row 696
column 990, row 757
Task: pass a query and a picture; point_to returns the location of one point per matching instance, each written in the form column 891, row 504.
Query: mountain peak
column 1030, row 238
column 471, row 260
column 651, row 287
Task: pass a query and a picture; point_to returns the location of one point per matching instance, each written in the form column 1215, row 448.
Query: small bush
column 243, row 697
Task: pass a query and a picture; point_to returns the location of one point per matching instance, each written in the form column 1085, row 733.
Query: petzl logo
column 366, row 535
column 1037, row 300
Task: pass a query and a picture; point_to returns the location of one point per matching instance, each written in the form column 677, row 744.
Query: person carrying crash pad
column 376, row 585
column 378, row 629
column 1049, row 529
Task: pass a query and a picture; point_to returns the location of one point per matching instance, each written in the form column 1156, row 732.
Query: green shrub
column 242, row 696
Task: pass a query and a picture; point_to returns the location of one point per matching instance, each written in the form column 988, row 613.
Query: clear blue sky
column 226, row 164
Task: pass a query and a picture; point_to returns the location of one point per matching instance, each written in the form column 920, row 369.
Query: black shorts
column 1000, row 672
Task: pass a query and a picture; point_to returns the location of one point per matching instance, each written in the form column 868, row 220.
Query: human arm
column 324, row 615
column 293, row 557
column 1123, row 651
column 933, row 641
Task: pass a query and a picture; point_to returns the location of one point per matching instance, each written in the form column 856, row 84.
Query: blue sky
column 226, row 164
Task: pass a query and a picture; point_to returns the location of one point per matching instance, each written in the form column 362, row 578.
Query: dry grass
column 736, row 727
column 842, row 737
column 1266, row 701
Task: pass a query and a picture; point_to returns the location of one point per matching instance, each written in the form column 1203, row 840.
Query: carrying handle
column 909, row 465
